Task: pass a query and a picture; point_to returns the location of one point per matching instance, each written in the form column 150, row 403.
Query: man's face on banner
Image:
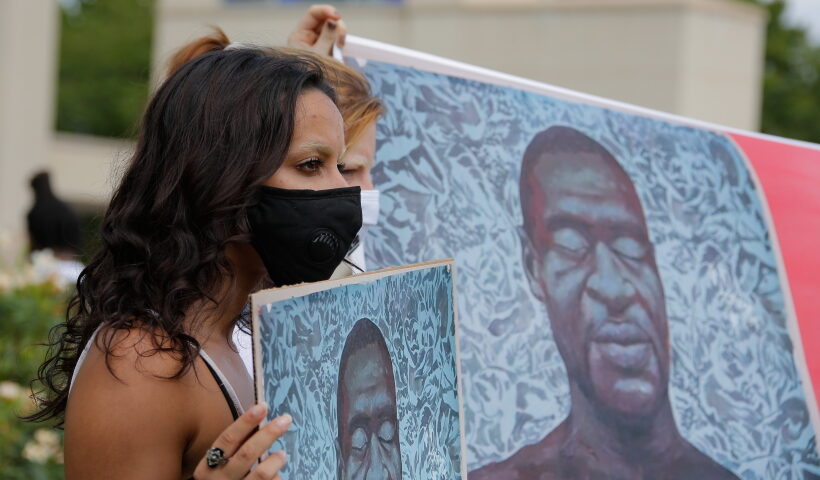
column 594, row 263
column 369, row 438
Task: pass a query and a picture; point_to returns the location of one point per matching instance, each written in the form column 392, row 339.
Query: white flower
column 10, row 390
column 34, row 452
column 44, row 266
column 44, row 446
column 47, row 438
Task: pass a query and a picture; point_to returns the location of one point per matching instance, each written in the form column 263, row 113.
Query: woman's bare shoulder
column 130, row 402
column 125, row 358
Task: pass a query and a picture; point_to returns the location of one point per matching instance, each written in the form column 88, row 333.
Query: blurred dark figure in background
column 53, row 225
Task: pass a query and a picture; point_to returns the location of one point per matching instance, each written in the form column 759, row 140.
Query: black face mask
column 303, row 235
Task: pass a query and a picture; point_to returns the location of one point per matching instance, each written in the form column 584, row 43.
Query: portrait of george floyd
column 367, row 413
column 366, row 366
column 588, row 258
column 620, row 310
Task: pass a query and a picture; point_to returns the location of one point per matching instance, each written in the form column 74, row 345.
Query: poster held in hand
column 367, row 368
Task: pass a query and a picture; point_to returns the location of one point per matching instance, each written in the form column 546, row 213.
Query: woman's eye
column 310, row 165
column 358, row 440
column 387, row 431
column 342, row 168
column 348, row 170
column 571, row 242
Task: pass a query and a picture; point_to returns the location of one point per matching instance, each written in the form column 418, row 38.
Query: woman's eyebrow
column 354, row 160
column 314, row 147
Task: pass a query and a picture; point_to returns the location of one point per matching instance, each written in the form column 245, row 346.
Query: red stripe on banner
column 790, row 178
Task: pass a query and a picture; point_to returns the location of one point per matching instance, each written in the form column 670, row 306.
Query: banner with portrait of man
column 367, row 367
column 624, row 311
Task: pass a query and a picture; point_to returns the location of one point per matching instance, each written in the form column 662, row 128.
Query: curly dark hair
column 214, row 130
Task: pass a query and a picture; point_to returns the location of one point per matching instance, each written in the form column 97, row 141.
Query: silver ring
column 215, row 457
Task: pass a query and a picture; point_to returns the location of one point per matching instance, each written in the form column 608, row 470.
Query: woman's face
column 314, row 156
column 312, row 163
column 359, row 158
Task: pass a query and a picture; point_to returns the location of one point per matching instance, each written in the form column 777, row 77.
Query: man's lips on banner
column 624, row 345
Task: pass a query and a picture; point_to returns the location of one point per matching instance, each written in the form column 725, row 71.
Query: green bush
column 29, row 307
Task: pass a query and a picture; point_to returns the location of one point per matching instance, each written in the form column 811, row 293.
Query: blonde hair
column 358, row 106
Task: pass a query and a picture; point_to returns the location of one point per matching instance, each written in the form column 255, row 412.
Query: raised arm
column 318, row 30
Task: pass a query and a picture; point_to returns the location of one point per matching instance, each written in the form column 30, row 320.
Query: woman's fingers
column 232, row 437
column 333, row 32
column 241, row 449
column 269, row 469
column 316, row 15
column 253, row 448
column 342, row 36
column 311, row 24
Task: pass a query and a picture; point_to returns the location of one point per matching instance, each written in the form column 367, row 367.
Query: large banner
column 624, row 306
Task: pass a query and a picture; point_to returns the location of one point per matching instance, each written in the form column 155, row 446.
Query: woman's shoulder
column 128, row 368
column 130, row 400
column 139, row 353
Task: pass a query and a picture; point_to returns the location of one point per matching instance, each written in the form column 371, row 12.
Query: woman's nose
column 336, row 179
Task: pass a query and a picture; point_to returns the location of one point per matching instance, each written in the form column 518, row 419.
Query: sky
column 806, row 13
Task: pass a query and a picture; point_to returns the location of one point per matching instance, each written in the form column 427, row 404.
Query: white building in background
column 697, row 58
column 81, row 166
column 28, row 66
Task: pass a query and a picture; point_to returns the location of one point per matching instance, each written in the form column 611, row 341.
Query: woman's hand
column 319, row 29
column 241, row 450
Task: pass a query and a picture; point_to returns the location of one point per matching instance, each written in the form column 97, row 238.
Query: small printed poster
column 367, row 368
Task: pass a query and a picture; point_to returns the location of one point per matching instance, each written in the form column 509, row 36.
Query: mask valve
column 323, row 247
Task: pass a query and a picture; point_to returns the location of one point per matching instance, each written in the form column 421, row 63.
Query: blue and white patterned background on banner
column 448, row 160
column 414, row 311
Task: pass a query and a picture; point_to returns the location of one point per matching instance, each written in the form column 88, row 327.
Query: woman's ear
column 531, row 260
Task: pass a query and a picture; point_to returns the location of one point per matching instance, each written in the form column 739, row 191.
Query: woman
column 359, row 108
column 360, row 111
column 233, row 146
column 318, row 30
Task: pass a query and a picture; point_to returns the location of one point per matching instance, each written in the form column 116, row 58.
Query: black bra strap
column 224, row 390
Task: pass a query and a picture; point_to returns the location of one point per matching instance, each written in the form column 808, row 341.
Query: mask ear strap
column 353, row 265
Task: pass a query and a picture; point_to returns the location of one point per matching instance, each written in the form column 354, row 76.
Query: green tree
column 791, row 82
column 105, row 62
